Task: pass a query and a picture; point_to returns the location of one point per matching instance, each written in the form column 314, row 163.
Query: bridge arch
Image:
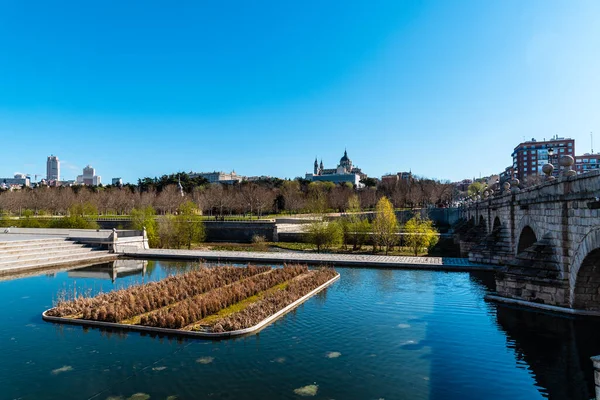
column 526, row 221
column 586, row 293
column 584, row 277
column 482, row 223
column 497, row 223
column 527, row 238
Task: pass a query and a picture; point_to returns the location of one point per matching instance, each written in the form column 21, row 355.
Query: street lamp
column 548, row 169
column 550, row 154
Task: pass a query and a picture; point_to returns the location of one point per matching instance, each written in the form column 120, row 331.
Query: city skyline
column 404, row 86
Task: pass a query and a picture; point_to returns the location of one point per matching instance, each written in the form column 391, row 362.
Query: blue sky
column 144, row 88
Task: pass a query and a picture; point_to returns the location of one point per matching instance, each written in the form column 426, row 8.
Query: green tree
column 359, row 232
column 355, row 227
column 323, row 234
column 189, row 226
column 385, row 225
column 317, row 197
column 420, row 234
column 167, row 231
column 369, row 182
column 146, row 218
column 476, row 188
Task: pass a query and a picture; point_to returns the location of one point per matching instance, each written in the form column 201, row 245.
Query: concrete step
column 53, row 259
column 39, row 247
column 31, row 242
column 25, row 255
column 97, row 257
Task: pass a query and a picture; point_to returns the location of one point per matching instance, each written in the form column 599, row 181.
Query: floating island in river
column 208, row 302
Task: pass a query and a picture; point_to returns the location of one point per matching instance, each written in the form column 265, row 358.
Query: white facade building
column 345, row 172
column 89, row 177
column 218, row 177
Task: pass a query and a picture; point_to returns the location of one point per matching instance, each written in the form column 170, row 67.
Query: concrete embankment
column 31, row 249
column 349, row 260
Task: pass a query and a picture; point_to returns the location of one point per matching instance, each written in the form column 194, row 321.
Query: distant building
column 529, row 157
column 218, row 177
column 345, row 172
column 89, row 177
column 257, row 178
column 507, row 175
column 17, row 182
column 117, row 182
column 53, row 168
column 587, row 162
column 463, row 185
column 400, row 176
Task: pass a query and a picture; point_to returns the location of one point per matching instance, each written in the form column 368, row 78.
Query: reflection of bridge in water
column 111, row 270
column 560, row 357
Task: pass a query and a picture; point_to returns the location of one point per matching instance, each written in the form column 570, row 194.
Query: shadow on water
column 556, row 348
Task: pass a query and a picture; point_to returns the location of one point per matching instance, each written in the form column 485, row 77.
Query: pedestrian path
column 354, row 260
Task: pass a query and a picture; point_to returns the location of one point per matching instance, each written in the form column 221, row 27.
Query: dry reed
column 275, row 301
column 123, row 304
column 196, row 308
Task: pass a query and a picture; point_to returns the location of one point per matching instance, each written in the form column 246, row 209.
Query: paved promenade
column 364, row 261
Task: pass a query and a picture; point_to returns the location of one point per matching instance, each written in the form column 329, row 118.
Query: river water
column 374, row 334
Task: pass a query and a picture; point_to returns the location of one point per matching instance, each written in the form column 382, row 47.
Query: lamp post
column 548, row 169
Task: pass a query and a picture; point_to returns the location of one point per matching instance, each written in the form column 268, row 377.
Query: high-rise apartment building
column 587, row 162
column 529, row 157
column 89, row 177
column 52, row 169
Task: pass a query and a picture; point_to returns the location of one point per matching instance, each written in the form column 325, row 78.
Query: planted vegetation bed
column 219, row 301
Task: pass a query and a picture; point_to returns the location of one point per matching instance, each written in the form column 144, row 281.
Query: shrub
column 420, row 234
column 146, row 218
column 324, row 235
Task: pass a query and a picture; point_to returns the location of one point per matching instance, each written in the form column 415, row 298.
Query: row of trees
column 255, row 198
column 355, row 230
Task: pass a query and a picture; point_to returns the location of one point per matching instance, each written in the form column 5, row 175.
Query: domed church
column 345, row 172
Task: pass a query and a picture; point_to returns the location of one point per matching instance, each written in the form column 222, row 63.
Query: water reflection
column 557, row 349
column 111, row 270
column 390, row 334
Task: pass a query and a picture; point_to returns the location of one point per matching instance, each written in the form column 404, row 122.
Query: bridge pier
column 596, row 361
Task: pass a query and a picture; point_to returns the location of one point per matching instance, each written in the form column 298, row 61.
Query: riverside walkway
column 349, row 260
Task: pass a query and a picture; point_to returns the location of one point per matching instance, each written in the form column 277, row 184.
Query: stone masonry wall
column 562, row 214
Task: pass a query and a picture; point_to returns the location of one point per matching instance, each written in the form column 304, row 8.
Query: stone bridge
column 545, row 240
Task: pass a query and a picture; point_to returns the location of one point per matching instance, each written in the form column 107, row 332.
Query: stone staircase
column 20, row 255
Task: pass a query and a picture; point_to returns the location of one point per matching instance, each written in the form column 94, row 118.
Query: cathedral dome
column 345, row 160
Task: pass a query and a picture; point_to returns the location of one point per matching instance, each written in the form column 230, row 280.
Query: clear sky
column 144, row 88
